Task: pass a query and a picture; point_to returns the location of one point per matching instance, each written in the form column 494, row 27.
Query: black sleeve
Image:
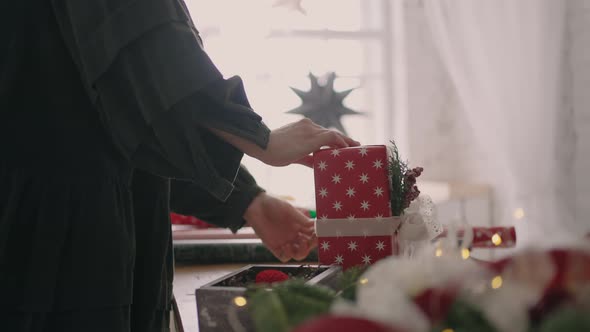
column 188, row 199
column 157, row 90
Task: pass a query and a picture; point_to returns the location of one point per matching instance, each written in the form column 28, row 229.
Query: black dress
column 101, row 104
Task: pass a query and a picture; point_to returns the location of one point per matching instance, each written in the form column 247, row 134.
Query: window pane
column 239, row 44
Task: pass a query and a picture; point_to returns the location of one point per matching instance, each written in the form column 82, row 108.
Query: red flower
column 330, row 323
column 270, row 276
column 435, row 303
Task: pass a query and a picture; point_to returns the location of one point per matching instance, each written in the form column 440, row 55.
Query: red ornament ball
column 342, row 324
column 270, row 276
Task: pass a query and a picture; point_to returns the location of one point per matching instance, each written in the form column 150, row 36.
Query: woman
column 102, row 103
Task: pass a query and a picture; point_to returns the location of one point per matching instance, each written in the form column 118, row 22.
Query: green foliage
column 267, row 312
column 463, row 317
column 288, row 304
column 568, row 319
column 348, row 282
column 397, row 171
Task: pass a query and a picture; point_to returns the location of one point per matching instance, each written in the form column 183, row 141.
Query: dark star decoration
column 322, row 104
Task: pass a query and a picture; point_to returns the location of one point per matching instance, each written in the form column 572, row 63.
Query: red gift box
column 354, row 223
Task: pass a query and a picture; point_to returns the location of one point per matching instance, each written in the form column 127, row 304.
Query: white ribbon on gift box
column 416, row 227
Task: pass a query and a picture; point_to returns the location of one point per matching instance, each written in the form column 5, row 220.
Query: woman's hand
column 292, row 143
column 283, row 229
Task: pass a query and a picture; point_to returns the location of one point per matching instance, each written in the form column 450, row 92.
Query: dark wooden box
column 215, row 303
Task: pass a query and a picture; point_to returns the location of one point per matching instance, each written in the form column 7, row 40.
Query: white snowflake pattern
column 350, row 192
column 352, row 245
column 378, row 191
column 380, row 245
column 378, row 163
column 351, row 217
column 365, row 205
column 325, row 246
column 336, row 178
column 379, row 217
column 324, row 218
column 364, row 178
column 339, row 260
column 323, row 193
column 322, row 165
column 349, row 165
column 363, row 151
column 335, row 153
column 367, row 259
column 337, row 206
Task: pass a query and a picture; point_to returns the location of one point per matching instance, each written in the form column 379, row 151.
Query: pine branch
column 397, row 171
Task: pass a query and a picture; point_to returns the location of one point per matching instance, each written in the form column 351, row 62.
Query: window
column 274, row 48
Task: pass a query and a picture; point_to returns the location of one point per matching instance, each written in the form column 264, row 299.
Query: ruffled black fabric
column 228, row 214
column 157, row 89
column 65, row 241
column 80, row 227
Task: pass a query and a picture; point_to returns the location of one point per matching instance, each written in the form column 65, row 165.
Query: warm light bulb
column 465, row 253
column 518, row 214
column 240, row 301
column 438, row 252
column 496, row 239
column 363, row 281
column 448, row 330
column 497, row 282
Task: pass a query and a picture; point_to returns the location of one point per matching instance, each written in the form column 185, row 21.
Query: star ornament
column 322, row 104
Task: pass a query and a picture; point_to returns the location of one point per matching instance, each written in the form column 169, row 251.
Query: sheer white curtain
column 505, row 59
